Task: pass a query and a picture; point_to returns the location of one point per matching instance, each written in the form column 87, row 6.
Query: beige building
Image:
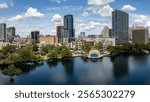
column 105, row 41
column 52, row 40
column 1, row 45
column 76, row 45
column 140, row 35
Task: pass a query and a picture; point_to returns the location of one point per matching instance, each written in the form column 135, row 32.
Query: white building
column 105, row 32
column 76, row 45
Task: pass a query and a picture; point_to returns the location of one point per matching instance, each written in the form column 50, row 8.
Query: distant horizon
column 90, row 16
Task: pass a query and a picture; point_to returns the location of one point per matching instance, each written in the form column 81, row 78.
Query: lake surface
column 120, row 70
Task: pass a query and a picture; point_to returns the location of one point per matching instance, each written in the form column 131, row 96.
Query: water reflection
column 12, row 80
column 118, row 70
column 140, row 59
column 28, row 67
column 87, row 60
column 52, row 64
column 68, row 64
column 120, row 66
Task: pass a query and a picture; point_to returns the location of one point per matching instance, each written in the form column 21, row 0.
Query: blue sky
column 89, row 15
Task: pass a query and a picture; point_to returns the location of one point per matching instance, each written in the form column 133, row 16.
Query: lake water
column 124, row 70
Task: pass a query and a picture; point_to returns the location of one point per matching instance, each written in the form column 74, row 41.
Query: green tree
column 9, row 49
column 99, row 46
column 87, row 46
column 126, row 47
column 13, row 58
column 2, row 56
column 52, row 55
column 111, row 49
column 47, row 48
column 39, row 58
column 27, row 54
column 35, row 47
column 11, row 71
column 65, row 52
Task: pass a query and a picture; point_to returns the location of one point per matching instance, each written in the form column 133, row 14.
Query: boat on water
column 94, row 54
column 145, row 51
column 106, row 53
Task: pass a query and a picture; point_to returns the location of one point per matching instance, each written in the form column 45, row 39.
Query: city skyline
column 90, row 15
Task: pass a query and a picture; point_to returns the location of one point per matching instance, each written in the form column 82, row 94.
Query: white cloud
column 65, row 8
column 143, row 17
column 99, row 2
column 3, row 5
column 33, row 12
column 140, row 19
column 128, row 8
column 147, row 24
column 94, row 9
column 106, row 11
column 30, row 13
column 58, row 1
column 94, row 25
column 88, row 26
column 16, row 18
column 57, row 18
column 85, row 13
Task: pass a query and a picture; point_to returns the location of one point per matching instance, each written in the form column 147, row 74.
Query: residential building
column 69, row 31
column 77, row 45
column 35, row 36
column 120, row 26
column 52, row 40
column 3, row 35
column 11, row 32
column 105, row 41
column 140, row 35
column 93, row 36
column 59, row 31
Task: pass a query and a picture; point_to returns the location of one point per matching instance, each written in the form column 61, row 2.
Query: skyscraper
column 35, row 36
column 69, row 31
column 11, row 32
column 120, row 26
column 59, row 31
column 3, row 36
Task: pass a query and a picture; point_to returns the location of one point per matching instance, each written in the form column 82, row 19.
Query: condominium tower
column 120, row 26
column 3, row 35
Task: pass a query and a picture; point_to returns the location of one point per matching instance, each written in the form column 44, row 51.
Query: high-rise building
column 59, row 31
column 11, row 32
column 120, row 26
column 110, row 33
column 3, row 36
column 140, row 35
column 81, row 36
column 69, row 31
column 35, row 36
column 105, row 32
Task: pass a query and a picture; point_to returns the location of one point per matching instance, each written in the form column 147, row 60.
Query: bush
column 12, row 71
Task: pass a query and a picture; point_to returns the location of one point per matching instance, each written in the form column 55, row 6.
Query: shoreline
column 57, row 59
